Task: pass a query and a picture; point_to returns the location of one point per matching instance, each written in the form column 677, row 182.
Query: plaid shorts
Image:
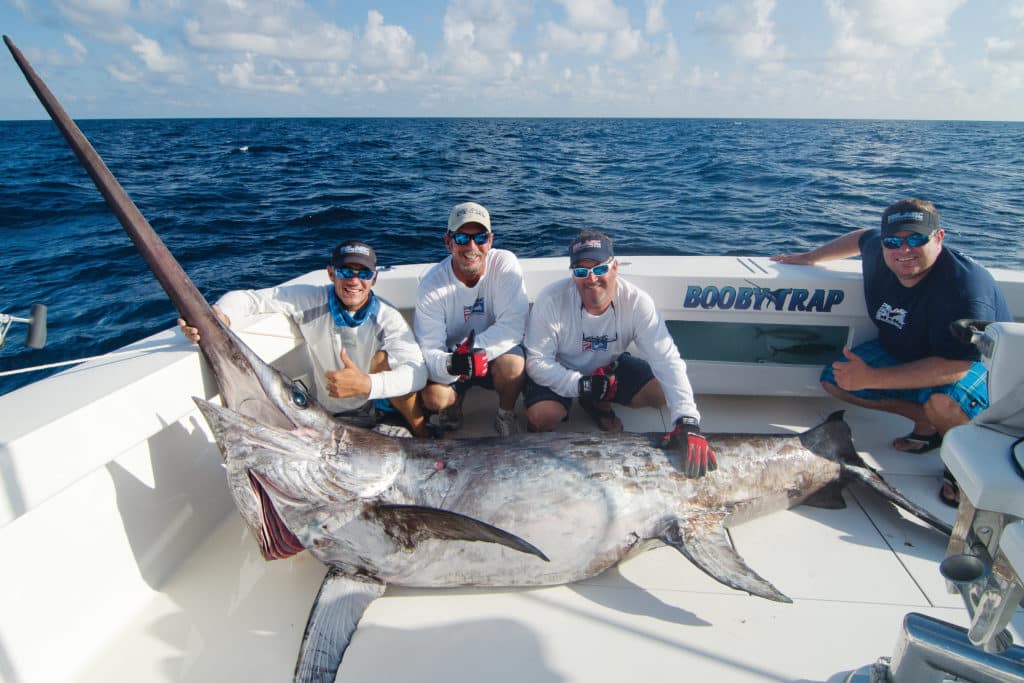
column 971, row 392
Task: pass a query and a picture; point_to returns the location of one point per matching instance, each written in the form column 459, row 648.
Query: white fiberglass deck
column 853, row 574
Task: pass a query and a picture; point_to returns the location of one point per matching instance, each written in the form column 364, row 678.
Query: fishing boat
column 125, row 559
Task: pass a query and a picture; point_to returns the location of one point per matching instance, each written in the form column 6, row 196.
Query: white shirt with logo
column 564, row 342
column 307, row 306
column 447, row 310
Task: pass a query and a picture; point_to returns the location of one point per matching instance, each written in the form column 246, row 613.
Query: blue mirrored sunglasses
column 462, row 238
column 914, row 239
column 599, row 270
column 345, row 273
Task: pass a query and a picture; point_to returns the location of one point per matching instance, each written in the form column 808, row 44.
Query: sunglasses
column 462, row 239
column 914, row 239
column 599, row 270
column 345, row 273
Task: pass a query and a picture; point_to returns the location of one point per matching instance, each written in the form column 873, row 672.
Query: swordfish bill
column 236, row 380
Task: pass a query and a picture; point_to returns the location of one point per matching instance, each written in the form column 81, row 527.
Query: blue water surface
column 252, row 202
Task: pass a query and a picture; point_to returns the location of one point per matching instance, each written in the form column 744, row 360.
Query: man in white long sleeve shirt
column 360, row 347
column 576, row 343
column 470, row 318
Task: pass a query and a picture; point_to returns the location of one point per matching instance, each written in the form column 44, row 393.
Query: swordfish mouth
column 276, row 539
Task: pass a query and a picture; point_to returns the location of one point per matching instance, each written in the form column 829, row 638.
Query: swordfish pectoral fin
column 707, row 545
column 411, row 524
column 333, row 618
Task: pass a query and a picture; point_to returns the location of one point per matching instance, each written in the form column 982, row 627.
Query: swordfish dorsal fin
column 411, row 524
column 705, row 543
column 333, row 618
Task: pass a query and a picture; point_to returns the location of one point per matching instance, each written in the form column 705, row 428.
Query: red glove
column 467, row 361
column 600, row 386
column 698, row 458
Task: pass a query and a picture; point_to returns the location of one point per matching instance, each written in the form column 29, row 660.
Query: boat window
column 758, row 342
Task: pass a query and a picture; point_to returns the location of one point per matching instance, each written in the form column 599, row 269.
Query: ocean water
column 252, row 202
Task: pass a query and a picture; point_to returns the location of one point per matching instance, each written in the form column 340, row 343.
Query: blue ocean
column 251, row 202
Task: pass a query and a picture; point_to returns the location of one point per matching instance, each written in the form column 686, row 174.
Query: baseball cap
column 909, row 215
column 590, row 246
column 468, row 212
column 354, row 252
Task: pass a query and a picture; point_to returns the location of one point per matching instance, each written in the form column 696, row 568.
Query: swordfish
column 536, row 509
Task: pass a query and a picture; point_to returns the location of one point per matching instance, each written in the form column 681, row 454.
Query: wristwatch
column 689, row 421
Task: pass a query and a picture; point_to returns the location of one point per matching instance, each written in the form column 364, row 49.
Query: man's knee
column 437, row 396
column 509, row 367
column 544, row 416
column 834, row 390
column 944, row 412
column 650, row 395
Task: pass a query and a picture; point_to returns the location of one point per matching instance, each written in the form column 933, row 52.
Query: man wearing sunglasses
column 914, row 287
column 470, row 317
column 576, row 343
column 363, row 354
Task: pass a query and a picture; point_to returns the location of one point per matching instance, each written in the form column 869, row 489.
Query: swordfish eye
column 300, row 394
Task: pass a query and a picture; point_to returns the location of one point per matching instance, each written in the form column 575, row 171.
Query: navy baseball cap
column 590, row 246
column 909, row 215
column 354, row 252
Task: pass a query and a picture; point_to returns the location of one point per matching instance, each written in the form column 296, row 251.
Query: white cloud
column 654, row 21
column 386, row 47
column 748, row 28
column 904, row 24
column 153, row 56
column 595, row 15
column 626, row 44
column 478, row 37
column 275, row 76
column 126, row 73
column 558, row 38
column 269, row 28
column 78, row 50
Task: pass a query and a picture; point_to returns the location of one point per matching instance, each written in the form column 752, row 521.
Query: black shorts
column 632, row 375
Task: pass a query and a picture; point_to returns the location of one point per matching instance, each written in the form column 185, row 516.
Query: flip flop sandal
column 948, row 480
column 924, row 443
column 605, row 420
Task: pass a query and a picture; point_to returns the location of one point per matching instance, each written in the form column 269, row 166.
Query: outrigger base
column 930, row 650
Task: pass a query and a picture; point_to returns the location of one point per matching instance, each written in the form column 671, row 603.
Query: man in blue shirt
column 914, row 288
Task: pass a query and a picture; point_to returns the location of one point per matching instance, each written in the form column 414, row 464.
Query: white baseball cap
column 468, row 212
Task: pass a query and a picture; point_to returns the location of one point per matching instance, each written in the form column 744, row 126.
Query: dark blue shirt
column 913, row 322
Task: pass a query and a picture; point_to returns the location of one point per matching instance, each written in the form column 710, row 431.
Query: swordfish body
column 586, row 501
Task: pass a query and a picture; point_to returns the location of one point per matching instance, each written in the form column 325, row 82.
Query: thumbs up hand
column 853, row 374
column 349, row 381
column 468, row 361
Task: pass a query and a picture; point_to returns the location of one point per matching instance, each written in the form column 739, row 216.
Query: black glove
column 698, row 458
column 600, row 386
column 467, row 361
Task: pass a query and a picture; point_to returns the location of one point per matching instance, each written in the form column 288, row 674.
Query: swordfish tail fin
column 332, row 619
column 235, row 376
column 832, row 439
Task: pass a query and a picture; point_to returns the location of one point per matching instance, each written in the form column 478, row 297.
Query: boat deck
column 852, row 574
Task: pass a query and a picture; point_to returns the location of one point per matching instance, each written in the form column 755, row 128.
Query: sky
column 890, row 59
